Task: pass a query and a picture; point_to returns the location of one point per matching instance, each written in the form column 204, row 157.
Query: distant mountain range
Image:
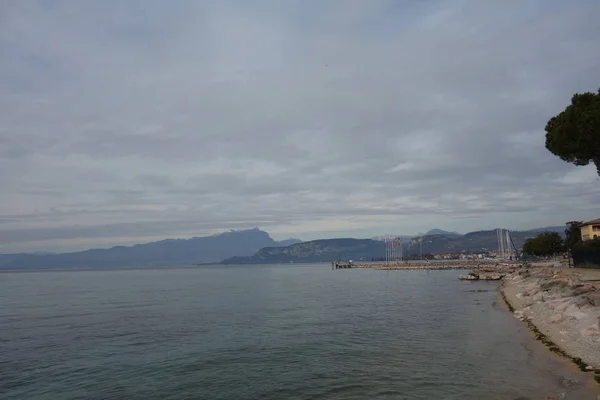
column 472, row 242
column 560, row 229
column 433, row 242
column 314, row 251
column 406, row 238
column 254, row 246
column 170, row 252
column 441, row 232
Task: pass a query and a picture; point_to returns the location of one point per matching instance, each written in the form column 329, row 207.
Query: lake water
column 267, row 332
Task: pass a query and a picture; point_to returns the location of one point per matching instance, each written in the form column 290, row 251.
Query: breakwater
column 478, row 266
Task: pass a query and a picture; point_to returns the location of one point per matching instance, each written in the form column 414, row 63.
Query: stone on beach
column 562, row 305
column 556, row 318
column 591, row 331
column 594, row 298
column 519, row 314
column 538, row 297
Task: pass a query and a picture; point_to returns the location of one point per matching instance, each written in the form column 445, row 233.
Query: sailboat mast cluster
column 505, row 248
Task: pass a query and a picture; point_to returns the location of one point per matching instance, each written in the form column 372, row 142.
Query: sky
column 125, row 122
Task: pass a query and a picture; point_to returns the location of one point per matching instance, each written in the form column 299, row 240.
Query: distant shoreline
column 410, row 265
column 84, row 269
column 436, row 265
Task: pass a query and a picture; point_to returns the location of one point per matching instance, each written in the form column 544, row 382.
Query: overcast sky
column 131, row 121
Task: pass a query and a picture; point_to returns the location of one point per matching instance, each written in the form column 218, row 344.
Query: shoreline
column 559, row 308
column 485, row 266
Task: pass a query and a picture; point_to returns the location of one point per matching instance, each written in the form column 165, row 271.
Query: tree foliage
column 589, row 245
column 544, row 244
column 573, row 232
column 574, row 134
column 587, row 254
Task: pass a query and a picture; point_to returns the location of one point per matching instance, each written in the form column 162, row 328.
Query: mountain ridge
column 256, row 246
column 437, row 231
column 166, row 252
column 323, row 250
column 312, row 251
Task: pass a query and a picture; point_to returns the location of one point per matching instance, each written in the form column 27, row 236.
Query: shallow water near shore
column 269, row 332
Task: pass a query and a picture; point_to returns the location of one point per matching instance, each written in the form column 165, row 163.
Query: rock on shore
column 489, row 272
column 563, row 307
column 478, row 266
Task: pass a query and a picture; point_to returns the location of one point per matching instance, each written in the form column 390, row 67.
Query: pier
column 486, row 267
column 439, row 265
column 341, row 264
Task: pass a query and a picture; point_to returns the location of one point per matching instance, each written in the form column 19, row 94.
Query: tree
column 529, row 246
column 573, row 233
column 587, row 254
column 574, row 134
column 572, row 238
column 544, row 244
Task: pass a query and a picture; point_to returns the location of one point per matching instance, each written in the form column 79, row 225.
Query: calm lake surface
column 267, row 332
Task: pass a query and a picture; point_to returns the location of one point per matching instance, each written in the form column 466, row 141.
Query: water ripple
column 284, row 332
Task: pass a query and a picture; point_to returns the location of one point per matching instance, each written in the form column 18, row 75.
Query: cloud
column 126, row 121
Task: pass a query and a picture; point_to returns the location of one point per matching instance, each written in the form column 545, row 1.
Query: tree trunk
column 596, row 161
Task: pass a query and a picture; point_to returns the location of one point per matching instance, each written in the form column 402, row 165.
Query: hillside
column 169, row 252
column 367, row 249
column 441, row 232
column 254, row 246
column 314, row 251
column 472, row 242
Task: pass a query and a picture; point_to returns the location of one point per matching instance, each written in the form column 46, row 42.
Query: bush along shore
column 562, row 308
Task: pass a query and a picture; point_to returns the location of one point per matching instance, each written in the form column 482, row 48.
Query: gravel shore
column 563, row 305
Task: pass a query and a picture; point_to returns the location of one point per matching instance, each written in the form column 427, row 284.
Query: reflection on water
column 267, row 332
